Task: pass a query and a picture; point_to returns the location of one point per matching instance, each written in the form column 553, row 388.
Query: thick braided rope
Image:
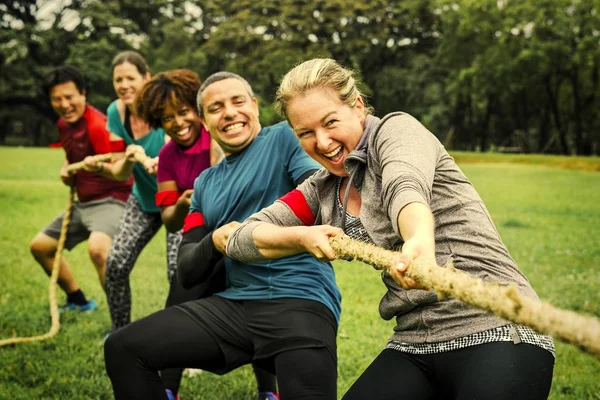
column 53, row 279
column 504, row 301
column 79, row 165
column 140, row 157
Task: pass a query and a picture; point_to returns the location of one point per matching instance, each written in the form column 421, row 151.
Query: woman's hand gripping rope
column 504, row 301
column 136, row 153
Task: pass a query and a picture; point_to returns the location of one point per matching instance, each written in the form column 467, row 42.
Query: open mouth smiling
column 334, row 153
column 184, row 131
column 232, row 127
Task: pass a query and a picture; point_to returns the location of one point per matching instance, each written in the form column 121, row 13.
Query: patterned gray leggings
column 136, row 229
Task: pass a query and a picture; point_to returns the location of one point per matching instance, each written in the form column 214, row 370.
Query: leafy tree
column 520, row 71
column 480, row 74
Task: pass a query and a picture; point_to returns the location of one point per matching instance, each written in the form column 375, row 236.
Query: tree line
column 482, row 75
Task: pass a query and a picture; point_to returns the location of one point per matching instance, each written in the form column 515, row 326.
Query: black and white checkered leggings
column 136, row 229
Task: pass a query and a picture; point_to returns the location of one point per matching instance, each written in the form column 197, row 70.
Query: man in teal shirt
column 283, row 314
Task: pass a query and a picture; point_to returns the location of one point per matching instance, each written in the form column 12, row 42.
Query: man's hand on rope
column 221, row 235
column 315, row 240
column 92, row 164
column 66, row 177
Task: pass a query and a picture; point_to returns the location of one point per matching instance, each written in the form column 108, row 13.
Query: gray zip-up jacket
column 397, row 162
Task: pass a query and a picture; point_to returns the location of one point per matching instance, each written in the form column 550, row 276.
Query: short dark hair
column 64, row 74
column 216, row 77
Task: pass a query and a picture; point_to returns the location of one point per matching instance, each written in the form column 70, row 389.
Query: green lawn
column 548, row 217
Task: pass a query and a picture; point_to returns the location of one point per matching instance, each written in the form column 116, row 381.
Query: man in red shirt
column 100, row 201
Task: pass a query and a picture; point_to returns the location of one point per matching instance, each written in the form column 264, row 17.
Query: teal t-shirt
column 245, row 183
column 144, row 187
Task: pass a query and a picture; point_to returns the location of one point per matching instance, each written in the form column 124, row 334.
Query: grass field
column 549, row 218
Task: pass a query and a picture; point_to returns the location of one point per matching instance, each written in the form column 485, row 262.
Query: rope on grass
column 505, row 301
column 79, row 165
column 53, row 279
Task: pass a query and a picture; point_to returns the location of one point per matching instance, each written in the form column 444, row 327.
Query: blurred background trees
column 482, row 75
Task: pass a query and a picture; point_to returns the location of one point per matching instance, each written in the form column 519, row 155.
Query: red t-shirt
column 88, row 137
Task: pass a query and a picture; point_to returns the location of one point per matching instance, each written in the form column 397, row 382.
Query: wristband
column 166, row 198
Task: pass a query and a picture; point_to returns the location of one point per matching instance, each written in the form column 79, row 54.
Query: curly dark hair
column 174, row 88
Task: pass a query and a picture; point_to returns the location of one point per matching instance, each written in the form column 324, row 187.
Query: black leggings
column 171, row 377
column 135, row 354
column 492, row 371
column 177, row 295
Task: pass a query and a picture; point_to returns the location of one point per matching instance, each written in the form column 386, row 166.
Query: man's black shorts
column 256, row 330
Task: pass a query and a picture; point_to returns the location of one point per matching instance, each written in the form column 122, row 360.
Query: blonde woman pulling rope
column 390, row 182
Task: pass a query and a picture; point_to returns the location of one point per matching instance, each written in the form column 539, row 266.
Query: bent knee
column 43, row 245
column 116, row 350
column 99, row 245
column 98, row 255
column 112, row 345
column 124, row 349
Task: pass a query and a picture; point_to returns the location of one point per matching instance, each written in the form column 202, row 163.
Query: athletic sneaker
column 89, row 306
column 268, row 396
column 171, row 396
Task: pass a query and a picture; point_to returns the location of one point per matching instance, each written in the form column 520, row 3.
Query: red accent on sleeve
column 56, row 145
column 166, row 198
column 117, row 146
column 297, row 202
column 192, row 221
column 99, row 136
